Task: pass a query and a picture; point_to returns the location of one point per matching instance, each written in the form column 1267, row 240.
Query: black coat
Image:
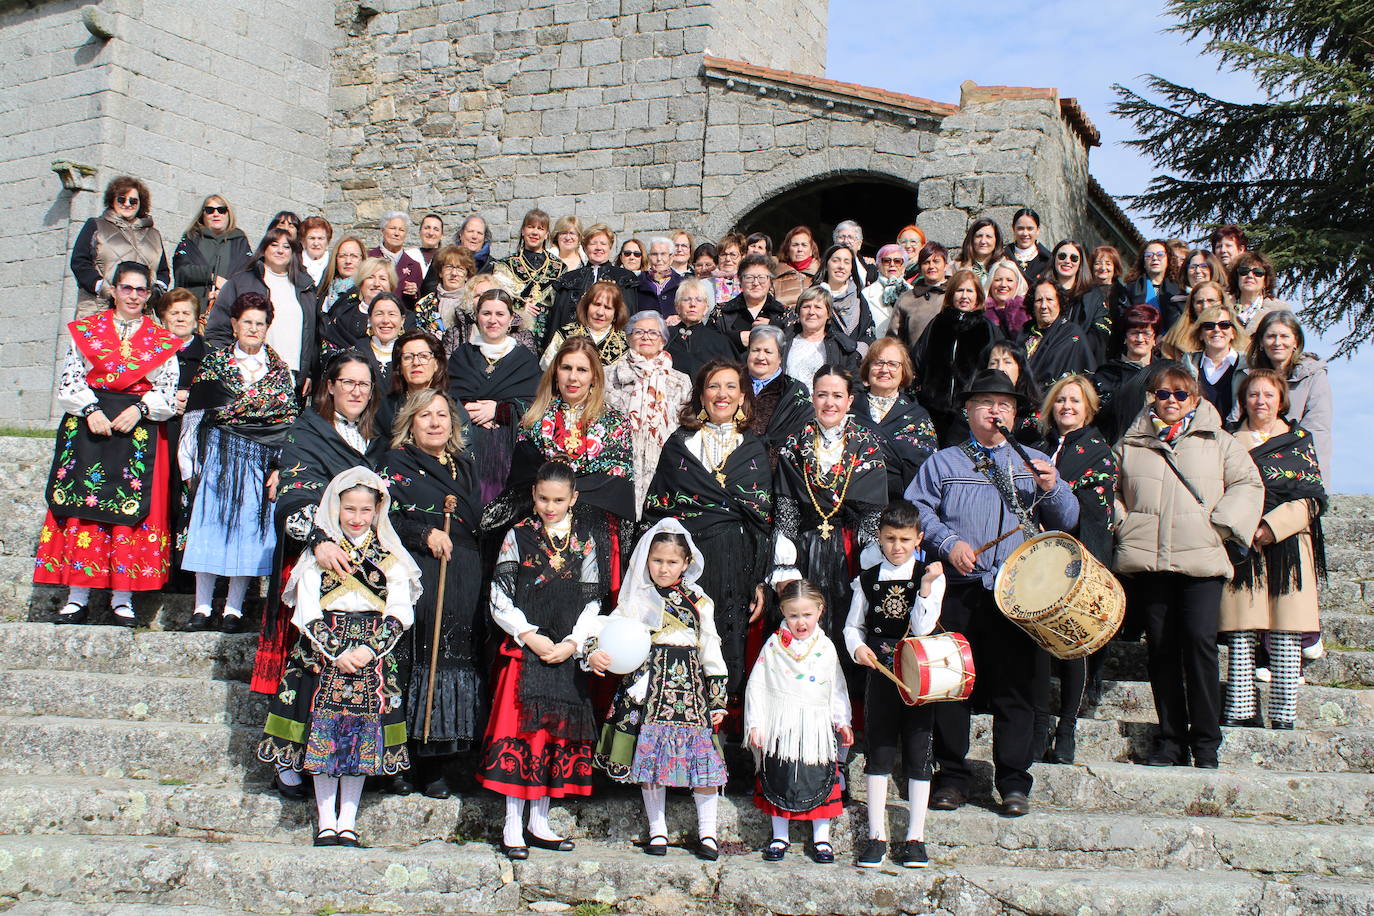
column 840, row 349
column 946, row 357
column 733, row 319
column 218, row 332
column 1098, row 304
column 1035, row 266
column 1171, row 299
column 201, row 257
column 569, row 287
column 691, row 348
column 1121, row 389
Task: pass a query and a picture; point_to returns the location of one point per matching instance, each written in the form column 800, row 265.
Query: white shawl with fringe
column 796, row 698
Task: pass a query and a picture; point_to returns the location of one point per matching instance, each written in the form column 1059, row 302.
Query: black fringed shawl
column 1288, row 466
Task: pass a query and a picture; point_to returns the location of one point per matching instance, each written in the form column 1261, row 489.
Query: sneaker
column 874, row 851
column 914, row 855
column 1313, row 652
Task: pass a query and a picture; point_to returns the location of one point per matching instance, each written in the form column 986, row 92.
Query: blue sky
column 1081, row 49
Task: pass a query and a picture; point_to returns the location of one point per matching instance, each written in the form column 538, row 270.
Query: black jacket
column 840, row 349
column 665, row 301
column 201, row 257
column 1171, row 299
column 569, row 287
column 1063, row 349
column 218, row 332
column 1099, row 313
column 733, row 319
column 691, row 348
column 946, row 358
column 1033, row 268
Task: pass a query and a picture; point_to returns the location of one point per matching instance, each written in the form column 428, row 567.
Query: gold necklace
column 555, row 552
column 839, row 488
column 722, row 442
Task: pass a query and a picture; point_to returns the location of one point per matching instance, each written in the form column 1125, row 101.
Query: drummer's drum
column 934, row 669
column 1056, row 590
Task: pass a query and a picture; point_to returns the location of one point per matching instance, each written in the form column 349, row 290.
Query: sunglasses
column 1067, row 256
column 209, row 209
column 1253, row 272
column 1214, row 325
column 1178, row 394
column 128, row 290
column 126, row 201
column 632, row 254
column 898, row 261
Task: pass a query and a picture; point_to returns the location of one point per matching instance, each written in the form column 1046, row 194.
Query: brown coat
column 1162, row 528
column 788, row 285
column 1297, row 611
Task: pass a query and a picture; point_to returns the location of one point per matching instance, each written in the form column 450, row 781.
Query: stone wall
column 783, row 34
column 191, row 104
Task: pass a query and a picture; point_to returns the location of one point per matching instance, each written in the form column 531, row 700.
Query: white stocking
column 205, row 592
column 707, row 805
column 514, row 832
column 78, row 594
column 780, row 828
column 233, row 601
column 539, row 819
column 350, row 793
column 327, row 801
column 122, row 597
column 877, row 807
column 655, row 808
column 918, row 798
column 820, row 831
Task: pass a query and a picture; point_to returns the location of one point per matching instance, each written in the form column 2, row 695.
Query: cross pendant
column 720, row 478
column 825, row 529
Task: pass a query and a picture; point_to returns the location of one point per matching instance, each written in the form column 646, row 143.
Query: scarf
column 893, row 287
column 759, row 383
column 803, row 264
column 1001, row 478
column 846, row 308
column 450, row 301
column 336, row 289
column 789, row 696
column 1168, row 432
column 1288, row 466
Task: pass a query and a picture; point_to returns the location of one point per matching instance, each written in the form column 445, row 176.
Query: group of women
column 771, row 401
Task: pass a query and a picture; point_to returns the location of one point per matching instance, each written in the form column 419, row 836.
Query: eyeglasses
column 645, row 332
column 1067, row 256
column 1178, row 394
column 210, row 209
column 1215, row 325
column 1253, row 272
column 885, row 364
column 896, row 261
column 1155, row 255
column 417, row 359
column 454, row 269
column 995, row 406
column 755, row 278
column 139, row 291
column 125, row 201
column 352, row 384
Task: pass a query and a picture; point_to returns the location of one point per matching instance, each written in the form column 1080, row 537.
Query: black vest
column 888, row 619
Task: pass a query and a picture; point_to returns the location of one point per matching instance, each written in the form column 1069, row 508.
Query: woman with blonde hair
column 212, row 250
column 1181, row 338
column 1219, row 361
column 567, row 242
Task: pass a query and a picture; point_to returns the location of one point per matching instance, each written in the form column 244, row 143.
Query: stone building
column 649, row 114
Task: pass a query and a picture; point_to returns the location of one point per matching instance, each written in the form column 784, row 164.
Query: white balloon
column 626, row 641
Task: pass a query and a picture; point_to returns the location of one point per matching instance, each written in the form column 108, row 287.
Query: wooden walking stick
column 450, row 504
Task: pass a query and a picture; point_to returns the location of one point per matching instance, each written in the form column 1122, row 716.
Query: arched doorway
column 882, row 206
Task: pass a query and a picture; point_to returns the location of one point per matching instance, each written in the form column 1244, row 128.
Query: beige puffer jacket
column 1161, row 526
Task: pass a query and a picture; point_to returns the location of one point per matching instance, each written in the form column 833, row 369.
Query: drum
column 1056, row 590
column 934, row 669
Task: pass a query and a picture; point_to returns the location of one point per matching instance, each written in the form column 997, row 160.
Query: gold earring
column 739, row 414
column 701, row 415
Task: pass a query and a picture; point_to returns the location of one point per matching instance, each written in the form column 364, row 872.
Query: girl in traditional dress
column 546, row 596
column 241, row 404
column 338, row 714
column 425, row 468
column 106, row 525
column 660, row 730
column 795, row 704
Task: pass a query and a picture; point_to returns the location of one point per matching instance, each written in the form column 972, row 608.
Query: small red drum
column 934, row 669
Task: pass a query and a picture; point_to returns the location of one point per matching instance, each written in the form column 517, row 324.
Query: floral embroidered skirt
column 526, row 764
column 327, row 723
column 74, row 551
column 666, row 740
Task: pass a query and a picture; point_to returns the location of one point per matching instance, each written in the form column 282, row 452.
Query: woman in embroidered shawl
column 426, row 465
column 660, row 731
column 241, row 403
column 832, row 483
column 886, row 406
column 713, row 476
column 532, row 271
column 1055, row 345
column 601, row 318
column 107, row 492
column 546, row 597
column 494, row 378
column 644, row 386
column 1275, row 587
column 337, row 713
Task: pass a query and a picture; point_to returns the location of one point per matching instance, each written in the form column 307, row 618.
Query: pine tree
column 1295, row 170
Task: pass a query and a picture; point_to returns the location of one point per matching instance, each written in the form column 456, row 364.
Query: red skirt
column 528, row 764
column 832, row 807
column 73, row 551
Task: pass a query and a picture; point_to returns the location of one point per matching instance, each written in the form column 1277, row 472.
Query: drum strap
column 998, row 476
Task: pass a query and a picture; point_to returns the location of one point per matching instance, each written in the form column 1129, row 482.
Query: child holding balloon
column 660, row 731
column 546, row 595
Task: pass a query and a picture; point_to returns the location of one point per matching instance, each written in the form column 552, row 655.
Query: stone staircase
column 128, row 788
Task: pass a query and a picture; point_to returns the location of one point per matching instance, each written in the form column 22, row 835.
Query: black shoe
column 657, row 846
column 948, row 798
column 776, row 850
column 120, row 620
column 1162, row 757
column 290, row 793
column 326, row 837
column 400, row 784
column 437, row 788
column 707, row 849
column 77, row 616
column 232, row 623
column 518, row 853
column 1065, row 745
column 1015, row 804
column 823, row 854
column 1092, row 696
column 349, row 838
column 913, row 855
column 1280, row 725
column 1206, row 761
column 874, row 851
column 538, row 842
column 1252, row 722
column 199, row 623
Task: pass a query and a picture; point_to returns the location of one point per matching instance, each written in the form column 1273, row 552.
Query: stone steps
column 472, row 878
column 1049, row 838
column 1318, row 707
column 131, row 697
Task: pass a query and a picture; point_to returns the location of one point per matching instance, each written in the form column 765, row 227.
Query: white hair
column 690, row 284
column 771, row 331
column 847, row 224
column 656, row 316
column 389, row 215
column 661, row 240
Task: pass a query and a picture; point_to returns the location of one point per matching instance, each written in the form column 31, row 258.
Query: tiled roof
column 1107, row 202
